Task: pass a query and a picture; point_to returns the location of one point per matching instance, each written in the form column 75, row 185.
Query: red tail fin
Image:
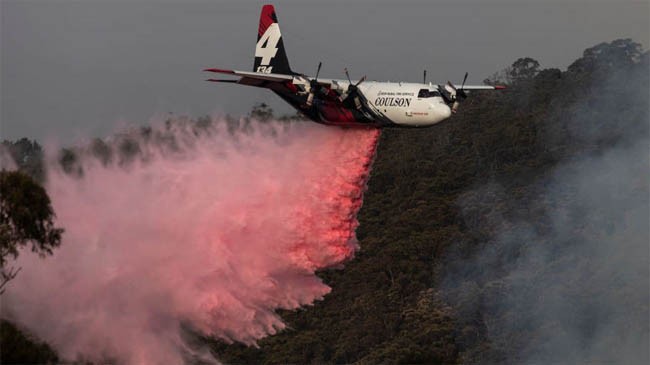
column 267, row 18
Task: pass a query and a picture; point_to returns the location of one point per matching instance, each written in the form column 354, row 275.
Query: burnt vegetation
column 425, row 214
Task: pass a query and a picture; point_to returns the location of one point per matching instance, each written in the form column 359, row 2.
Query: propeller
column 353, row 89
column 424, row 79
column 313, row 85
column 353, row 86
column 460, row 94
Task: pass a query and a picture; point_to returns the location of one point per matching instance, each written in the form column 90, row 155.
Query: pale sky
column 74, row 69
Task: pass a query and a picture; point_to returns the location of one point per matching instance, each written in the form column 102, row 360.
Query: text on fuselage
column 388, row 98
column 392, row 101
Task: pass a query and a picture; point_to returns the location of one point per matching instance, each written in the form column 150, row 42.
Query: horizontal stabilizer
column 221, row 80
column 253, row 75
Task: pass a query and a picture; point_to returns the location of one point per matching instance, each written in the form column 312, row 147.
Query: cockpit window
column 426, row 93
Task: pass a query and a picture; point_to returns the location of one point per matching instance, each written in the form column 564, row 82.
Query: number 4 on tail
column 267, row 46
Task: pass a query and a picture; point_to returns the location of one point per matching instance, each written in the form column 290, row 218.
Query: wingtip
column 499, row 87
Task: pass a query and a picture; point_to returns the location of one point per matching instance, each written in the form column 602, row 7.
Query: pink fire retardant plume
column 216, row 236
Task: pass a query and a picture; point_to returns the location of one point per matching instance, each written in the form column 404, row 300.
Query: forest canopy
column 473, row 231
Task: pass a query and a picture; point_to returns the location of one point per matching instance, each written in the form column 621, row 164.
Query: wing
column 480, row 87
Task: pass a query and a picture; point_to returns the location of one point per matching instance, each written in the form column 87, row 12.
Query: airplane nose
column 439, row 112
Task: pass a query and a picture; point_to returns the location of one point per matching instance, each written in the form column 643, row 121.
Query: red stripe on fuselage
column 335, row 113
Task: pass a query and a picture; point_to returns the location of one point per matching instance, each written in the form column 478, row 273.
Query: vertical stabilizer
column 270, row 56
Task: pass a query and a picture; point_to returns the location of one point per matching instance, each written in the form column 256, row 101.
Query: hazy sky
column 71, row 69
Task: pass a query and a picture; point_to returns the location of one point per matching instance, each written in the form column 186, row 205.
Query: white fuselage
column 405, row 104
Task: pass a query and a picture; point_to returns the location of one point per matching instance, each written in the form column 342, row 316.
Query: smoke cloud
column 215, row 232
column 572, row 287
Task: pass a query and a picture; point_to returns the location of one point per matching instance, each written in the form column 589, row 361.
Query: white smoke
column 573, row 287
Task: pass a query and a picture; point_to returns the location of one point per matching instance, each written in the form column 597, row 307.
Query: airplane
column 346, row 102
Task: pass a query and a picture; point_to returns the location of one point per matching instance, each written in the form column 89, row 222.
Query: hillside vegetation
column 439, row 198
column 488, row 238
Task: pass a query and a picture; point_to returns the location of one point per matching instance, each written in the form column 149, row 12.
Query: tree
column 614, row 55
column 262, row 112
column 500, row 77
column 28, row 156
column 19, row 347
column 26, row 216
column 524, row 69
